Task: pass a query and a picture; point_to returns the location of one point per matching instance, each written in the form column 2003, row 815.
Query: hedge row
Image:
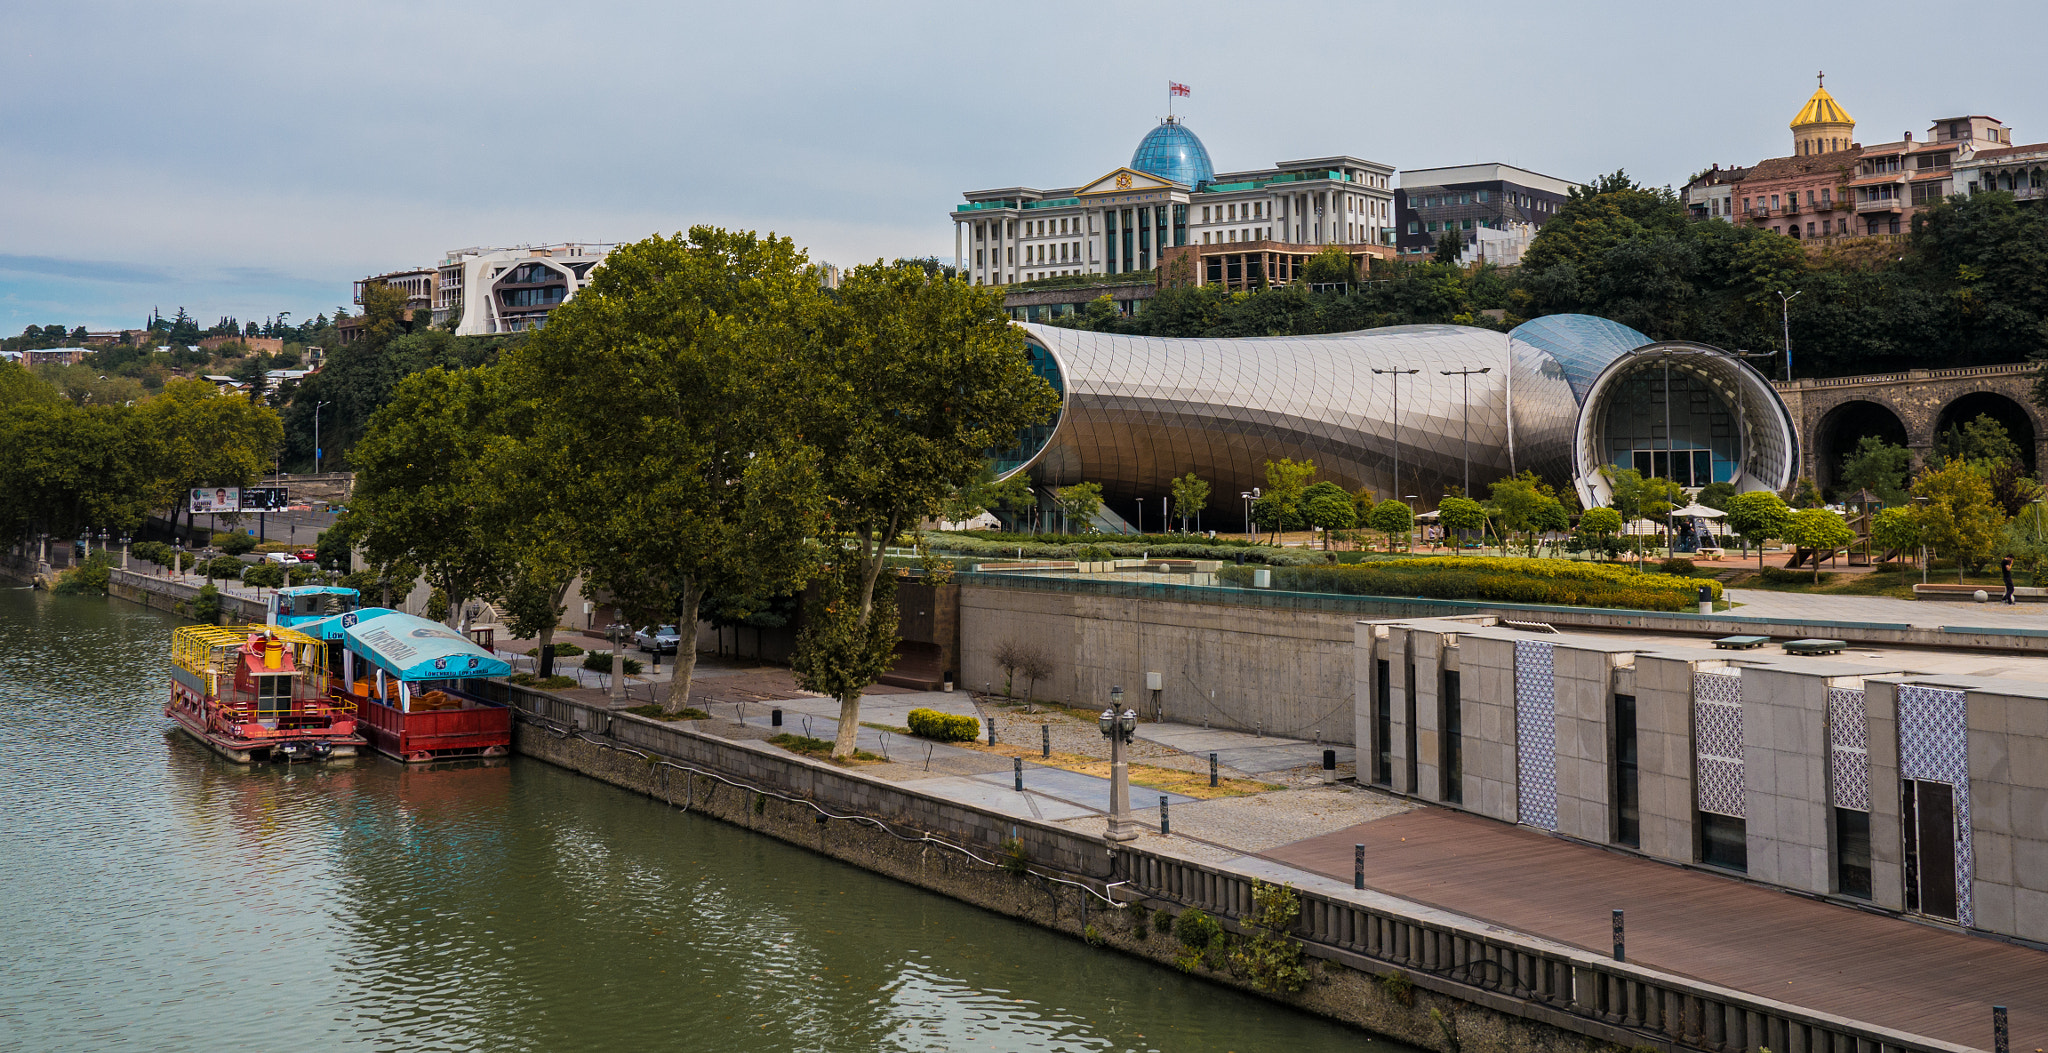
column 1551, row 582
column 943, row 727
column 1014, row 539
column 1260, row 554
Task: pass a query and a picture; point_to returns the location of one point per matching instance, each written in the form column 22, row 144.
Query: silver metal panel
column 1536, row 734
column 1934, row 746
column 1717, row 743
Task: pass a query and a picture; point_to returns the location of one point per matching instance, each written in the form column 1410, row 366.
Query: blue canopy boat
column 407, row 676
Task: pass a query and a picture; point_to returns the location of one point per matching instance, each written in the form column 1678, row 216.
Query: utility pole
column 1397, row 424
column 317, row 407
column 1465, row 375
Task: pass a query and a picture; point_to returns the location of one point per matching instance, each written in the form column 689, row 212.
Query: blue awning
column 412, row 648
column 331, row 628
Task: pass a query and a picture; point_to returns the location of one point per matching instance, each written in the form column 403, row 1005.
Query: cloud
column 83, row 270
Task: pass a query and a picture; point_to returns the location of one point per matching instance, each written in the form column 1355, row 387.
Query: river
column 157, row 897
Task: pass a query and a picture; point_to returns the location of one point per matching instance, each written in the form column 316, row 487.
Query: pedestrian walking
column 2005, row 571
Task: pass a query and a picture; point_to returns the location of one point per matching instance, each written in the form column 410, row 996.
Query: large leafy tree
column 1758, row 516
column 1879, row 467
column 1820, row 530
column 915, row 378
column 1326, row 505
column 204, row 438
column 1959, row 517
column 674, row 389
column 425, row 487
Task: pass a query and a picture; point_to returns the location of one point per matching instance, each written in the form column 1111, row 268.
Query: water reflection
column 158, row 897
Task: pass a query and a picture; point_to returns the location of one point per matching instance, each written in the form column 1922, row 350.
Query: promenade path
column 1884, row 970
column 1929, row 614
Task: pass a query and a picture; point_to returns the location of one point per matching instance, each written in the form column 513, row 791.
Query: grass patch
column 654, row 712
column 885, row 727
column 553, row 683
column 1166, row 780
column 819, row 748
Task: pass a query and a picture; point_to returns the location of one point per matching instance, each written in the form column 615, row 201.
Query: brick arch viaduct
column 1917, row 398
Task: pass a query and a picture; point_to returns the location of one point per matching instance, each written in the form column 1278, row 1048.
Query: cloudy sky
column 249, row 158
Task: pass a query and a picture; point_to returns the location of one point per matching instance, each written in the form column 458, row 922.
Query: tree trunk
column 547, row 651
column 678, row 697
column 848, row 735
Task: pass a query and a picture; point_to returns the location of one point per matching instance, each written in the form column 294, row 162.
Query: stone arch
column 2019, row 420
column 1843, row 426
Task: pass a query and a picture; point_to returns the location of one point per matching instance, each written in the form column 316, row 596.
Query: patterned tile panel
column 1717, row 738
column 1536, row 733
column 1934, row 746
column 1848, row 749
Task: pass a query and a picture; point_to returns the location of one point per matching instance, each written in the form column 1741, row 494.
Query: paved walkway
column 1870, row 967
column 1930, row 614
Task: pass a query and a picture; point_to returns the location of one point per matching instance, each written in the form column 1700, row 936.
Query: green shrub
column 237, row 544
column 151, row 552
column 1108, row 546
column 264, row 575
column 943, row 727
column 1678, row 565
column 654, row 712
column 205, row 607
column 88, row 578
column 1549, row 582
column 1196, row 930
column 1781, row 576
column 303, row 574
column 225, row 568
column 601, row 662
column 1162, row 923
column 553, row 683
column 1016, row 858
column 562, row 650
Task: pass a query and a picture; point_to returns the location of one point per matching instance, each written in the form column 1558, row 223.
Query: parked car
column 307, row 555
column 285, row 558
column 657, row 639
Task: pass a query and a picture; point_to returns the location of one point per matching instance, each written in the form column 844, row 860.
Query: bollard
column 1329, row 767
column 1358, row 866
column 991, row 731
column 1045, row 740
column 1165, row 826
column 1017, row 765
column 1212, row 769
column 1706, row 599
column 2001, row 1034
column 1619, row 954
column 774, row 718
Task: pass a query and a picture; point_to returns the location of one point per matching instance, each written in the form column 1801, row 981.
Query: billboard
column 216, row 500
column 265, row 498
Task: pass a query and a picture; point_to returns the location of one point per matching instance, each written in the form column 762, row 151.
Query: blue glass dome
column 1170, row 151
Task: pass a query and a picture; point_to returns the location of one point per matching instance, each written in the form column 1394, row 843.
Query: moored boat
column 409, row 681
column 298, row 605
column 258, row 693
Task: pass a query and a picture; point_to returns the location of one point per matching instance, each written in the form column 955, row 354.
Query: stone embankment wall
column 162, row 594
column 1411, row 972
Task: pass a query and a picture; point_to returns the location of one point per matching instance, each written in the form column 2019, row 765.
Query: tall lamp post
column 1397, row 373
column 1118, row 725
column 1249, row 496
column 317, row 407
column 1465, row 377
column 1785, row 309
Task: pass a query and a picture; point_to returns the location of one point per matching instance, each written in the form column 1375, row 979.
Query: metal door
column 1929, row 820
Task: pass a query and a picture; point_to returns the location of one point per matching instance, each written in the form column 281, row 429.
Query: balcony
column 1881, row 204
column 1827, row 204
column 1791, row 208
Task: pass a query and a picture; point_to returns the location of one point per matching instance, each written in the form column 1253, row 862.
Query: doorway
column 1928, row 817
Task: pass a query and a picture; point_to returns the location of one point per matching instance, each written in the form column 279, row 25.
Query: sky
column 244, row 159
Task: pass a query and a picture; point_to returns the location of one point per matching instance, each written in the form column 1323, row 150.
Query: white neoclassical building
column 1169, row 195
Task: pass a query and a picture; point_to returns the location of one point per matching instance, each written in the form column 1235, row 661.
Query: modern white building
column 505, row 290
column 1170, row 194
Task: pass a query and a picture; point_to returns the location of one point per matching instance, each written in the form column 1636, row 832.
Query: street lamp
column 1785, row 308
column 1465, row 376
column 317, row 407
column 1397, row 420
column 1118, row 725
column 125, row 539
column 1249, row 496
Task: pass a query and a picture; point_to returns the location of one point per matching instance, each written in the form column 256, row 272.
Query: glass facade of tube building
column 1388, row 410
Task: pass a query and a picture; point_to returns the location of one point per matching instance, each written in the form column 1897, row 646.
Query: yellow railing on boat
column 209, row 650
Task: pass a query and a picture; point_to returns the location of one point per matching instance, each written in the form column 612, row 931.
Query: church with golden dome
column 1823, row 126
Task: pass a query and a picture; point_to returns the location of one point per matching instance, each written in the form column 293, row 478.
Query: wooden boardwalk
column 1869, row 967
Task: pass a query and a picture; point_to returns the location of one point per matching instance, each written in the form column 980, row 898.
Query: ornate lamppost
column 1118, row 725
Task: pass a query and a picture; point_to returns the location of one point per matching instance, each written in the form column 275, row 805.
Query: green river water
column 156, row 897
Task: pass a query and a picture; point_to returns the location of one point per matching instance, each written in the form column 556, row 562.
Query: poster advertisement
column 216, row 500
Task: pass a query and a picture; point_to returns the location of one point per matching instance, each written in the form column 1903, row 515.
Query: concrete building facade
column 1169, row 195
column 1495, row 209
column 1862, row 780
column 493, row 291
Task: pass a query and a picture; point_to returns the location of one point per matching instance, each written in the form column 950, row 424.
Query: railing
column 1960, row 372
column 1880, row 204
column 1680, row 1011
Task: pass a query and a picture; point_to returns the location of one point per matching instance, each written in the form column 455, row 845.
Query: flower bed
column 1553, row 582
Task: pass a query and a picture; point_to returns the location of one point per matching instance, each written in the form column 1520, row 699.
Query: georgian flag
column 1173, row 88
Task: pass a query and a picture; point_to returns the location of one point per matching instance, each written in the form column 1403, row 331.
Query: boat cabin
column 244, row 687
column 302, row 604
column 412, row 679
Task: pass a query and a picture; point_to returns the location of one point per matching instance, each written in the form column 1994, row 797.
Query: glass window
column 1482, row 197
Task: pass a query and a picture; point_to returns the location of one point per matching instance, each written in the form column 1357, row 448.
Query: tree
column 2011, row 485
column 914, row 379
column 1519, row 501
column 1600, row 525
column 1638, row 498
column 1981, row 441
column 986, row 493
column 424, row 484
column 1326, row 505
column 674, row 388
column 1758, row 516
column 1820, row 530
column 1190, row 497
column 1449, row 246
column 1959, row 518
column 1460, row 514
column 1716, row 495
column 204, row 438
column 1286, row 482
column 1331, row 266
column 1078, row 503
column 1895, row 530
column 1391, row 517
column 1807, row 495
column 1879, row 467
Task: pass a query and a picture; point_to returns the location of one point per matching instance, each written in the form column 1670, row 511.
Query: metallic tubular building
column 1561, row 393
